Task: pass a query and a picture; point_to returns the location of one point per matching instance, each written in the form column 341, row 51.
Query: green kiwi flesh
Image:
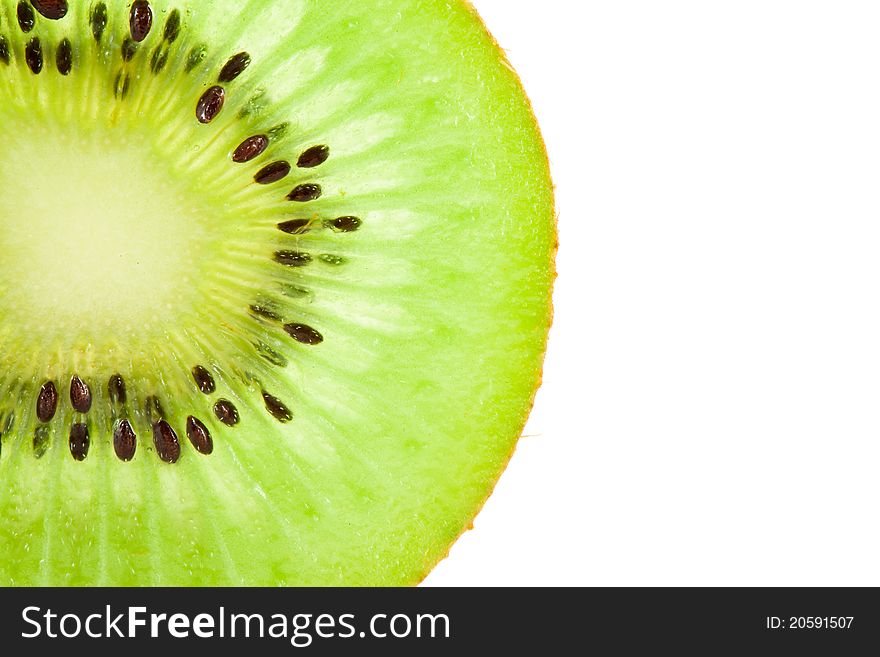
column 274, row 288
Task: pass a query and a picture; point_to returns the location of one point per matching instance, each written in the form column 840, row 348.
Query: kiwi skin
column 552, row 217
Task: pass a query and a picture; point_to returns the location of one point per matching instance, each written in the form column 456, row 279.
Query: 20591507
column 809, row 622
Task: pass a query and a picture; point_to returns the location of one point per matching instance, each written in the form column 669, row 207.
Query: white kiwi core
column 94, row 228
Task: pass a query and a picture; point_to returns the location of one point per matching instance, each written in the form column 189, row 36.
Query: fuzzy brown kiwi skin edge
column 554, row 218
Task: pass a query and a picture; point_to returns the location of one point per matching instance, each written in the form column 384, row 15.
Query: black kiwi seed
column 159, row 59
column 33, row 55
column 98, row 21
column 80, row 395
column 124, row 440
column 250, row 148
column 79, row 441
column 140, row 20
column 313, row 157
column 41, row 441
column 210, row 104
column 277, row 408
column 304, row 334
column 153, row 409
column 26, row 17
column 272, row 172
column 116, row 389
column 47, row 401
column 226, row 412
column 204, row 380
column 292, row 258
column 199, row 435
column 234, row 67
column 305, row 193
column 64, row 57
column 295, row 226
column 172, row 26
column 343, row 224
column 196, row 56
column 4, row 50
column 165, row 441
column 51, row 9
column 129, row 49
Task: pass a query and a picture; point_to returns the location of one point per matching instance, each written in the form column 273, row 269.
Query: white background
column 711, row 407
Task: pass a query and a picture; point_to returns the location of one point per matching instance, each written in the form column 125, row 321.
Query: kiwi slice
column 274, row 287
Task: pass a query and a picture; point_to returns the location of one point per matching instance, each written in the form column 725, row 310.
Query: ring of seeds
column 158, row 34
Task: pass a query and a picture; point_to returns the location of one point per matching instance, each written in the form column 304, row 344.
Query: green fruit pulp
column 133, row 244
